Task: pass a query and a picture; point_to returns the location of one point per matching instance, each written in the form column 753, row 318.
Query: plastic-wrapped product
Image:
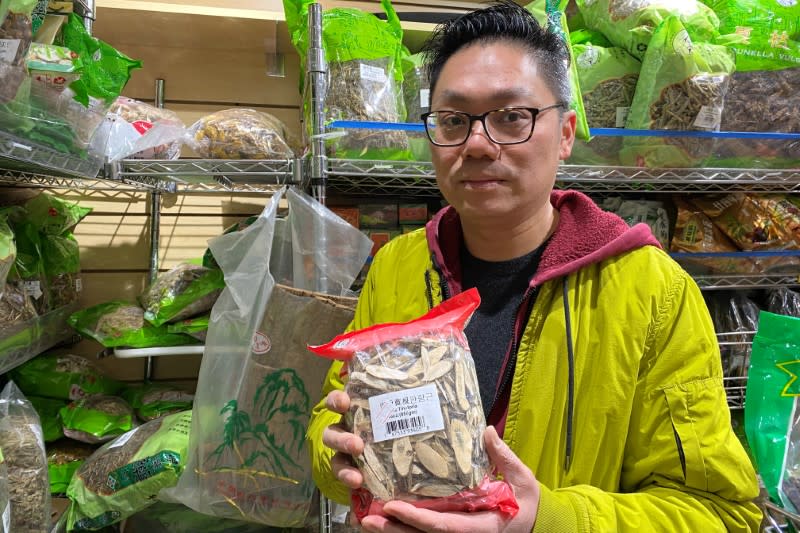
column 64, row 458
column 682, row 86
column 416, row 404
column 186, row 290
column 63, row 376
column 51, row 215
column 196, row 327
column 48, row 410
column 97, row 418
column 23, row 449
column 126, row 474
column 5, row 507
column 8, row 251
column 650, row 212
column 16, row 307
column 143, row 131
column 62, row 264
column 239, row 133
column 784, row 301
column 16, row 35
column 164, row 517
column 154, row 400
column 417, row 99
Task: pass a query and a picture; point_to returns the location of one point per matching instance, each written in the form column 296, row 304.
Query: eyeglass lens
column 502, row 126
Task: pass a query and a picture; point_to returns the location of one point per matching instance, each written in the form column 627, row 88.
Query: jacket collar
column 585, row 235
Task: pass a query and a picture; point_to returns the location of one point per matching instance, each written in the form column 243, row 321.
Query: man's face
column 485, row 181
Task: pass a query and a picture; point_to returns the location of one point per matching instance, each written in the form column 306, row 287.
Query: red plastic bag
column 415, row 402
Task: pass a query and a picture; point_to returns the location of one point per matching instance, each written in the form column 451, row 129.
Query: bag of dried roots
column 63, row 376
column 240, row 133
column 97, row 418
column 126, row 474
column 416, row 404
column 186, row 290
column 24, row 453
column 16, row 307
column 682, row 86
column 154, row 400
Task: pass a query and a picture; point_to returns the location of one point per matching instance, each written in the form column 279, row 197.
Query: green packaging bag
column 63, row 376
column 608, row 79
column 631, row 25
column 186, row 290
column 64, row 458
column 550, row 13
column 51, row 215
column 365, row 74
column 118, row 324
column 48, row 410
column 196, row 327
column 771, row 413
column 417, row 99
column 154, row 400
column 682, row 86
column 8, row 250
column 97, row 418
column 126, row 474
column 62, row 267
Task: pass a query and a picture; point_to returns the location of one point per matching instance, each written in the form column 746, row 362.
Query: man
column 596, row 355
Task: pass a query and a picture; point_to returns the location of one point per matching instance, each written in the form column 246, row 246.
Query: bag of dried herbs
column 240, row 133
column 51, row 215
column 196, row 327
column 154, row 400
column 28, row 271
column 551, row 14
column 117, row 324
column 771, row 415
column 763, row 94
column 64, row 458
column 16, row 307
column 682, row 86
column 16, row 32
column 126, row 474
column 62, row 265
column 417, row 98
column 24, row 453
column 607, row 79
column 63, row 376
column 48, row 410
column 186, row 290
column 365, row 76
column 97, row 418
column 650, row 212
column 630, row 24
column 415, row 403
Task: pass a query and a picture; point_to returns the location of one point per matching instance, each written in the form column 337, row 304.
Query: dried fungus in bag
column 126, row 474
column 416, row 404
column 23, row 449
column 97, row 418
column 186, row 290
column 239, row 133
column 63, row 376
column 64, row 458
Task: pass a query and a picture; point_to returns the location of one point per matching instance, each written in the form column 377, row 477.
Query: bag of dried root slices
column 682, row 86
column 415, row 402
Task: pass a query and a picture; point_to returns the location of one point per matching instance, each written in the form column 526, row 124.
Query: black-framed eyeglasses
column 509, row 125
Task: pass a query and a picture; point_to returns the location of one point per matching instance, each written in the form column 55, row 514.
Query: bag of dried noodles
column 416, row 404
column 682, row 86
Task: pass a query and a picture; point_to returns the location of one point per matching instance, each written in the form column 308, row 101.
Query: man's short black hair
column 503, row 21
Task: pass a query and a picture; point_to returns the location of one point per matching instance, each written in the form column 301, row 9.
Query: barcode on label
column 404, row 424
column 709, row 118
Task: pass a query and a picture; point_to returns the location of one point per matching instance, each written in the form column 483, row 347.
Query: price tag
column 405, row 413
column 33, row 289
column 709, row 118
column 376, row 74
column 622, row 116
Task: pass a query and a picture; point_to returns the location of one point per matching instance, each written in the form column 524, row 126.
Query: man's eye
column 513, row 116
column 451, row 120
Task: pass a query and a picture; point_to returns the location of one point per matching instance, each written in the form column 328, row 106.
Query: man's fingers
column 345, row 472
column 338, row 401
column 341, row 440
column 507, row 463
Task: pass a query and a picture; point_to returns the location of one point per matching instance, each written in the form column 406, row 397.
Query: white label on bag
column 424, row 98
column 405, row 413
column 8, row 49
column 709, row 118
column 122, row 439
column 622, row 116
column 376, row 74
column 78, row 285
column 33, row 289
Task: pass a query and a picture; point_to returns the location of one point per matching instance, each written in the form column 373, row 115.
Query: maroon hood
column 585, row 235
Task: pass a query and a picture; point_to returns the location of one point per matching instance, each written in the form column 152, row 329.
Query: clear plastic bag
column 142, row 131
column 415, row 402
column 5, row 507
column 23, row 449
column 784, row 301
column 239, row 133
column 247, row 455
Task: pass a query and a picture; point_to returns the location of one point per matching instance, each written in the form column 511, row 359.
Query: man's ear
column 568, row 125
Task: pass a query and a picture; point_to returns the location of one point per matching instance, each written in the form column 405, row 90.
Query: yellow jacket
column 646, row 442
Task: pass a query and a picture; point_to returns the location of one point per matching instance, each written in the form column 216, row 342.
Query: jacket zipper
column 681, row 454
column 511, row 364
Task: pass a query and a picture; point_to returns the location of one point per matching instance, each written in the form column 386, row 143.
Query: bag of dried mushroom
column 415, row 402
column 186, row 290
column 682, row 86
column 97, row 418
column 126, row 474
column 240, row 133
column 365, row 76
column 63, row 376
column 115, row 324
column 608, row 79
column 23, row 449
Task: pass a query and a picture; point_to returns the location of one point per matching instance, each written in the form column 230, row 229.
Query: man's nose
column 478, row 143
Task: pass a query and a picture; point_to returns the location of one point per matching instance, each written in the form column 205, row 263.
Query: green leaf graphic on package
column 249, row 437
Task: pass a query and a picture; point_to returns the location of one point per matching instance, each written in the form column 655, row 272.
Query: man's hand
column 345, row 444
column 409, row 519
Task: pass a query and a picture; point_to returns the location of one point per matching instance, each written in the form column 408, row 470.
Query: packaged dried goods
column 63, row 376
column 630, row 24
column 126, row 474
column 8, row 251
column 650, row 212
column 64, row 458
column 186, row 290
column 415, row 402
column 154, row 400
column 48, row 410
column 735, row 319
column 117, row 323
column 784, row 301
column 23, row 449
column 196, row 327
column 51, row 215
column 16, row 307
column 239, row 133
column 143, row 131
column 97, row 418
column 16, row 35
column 682, row 86
column 5, row 507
